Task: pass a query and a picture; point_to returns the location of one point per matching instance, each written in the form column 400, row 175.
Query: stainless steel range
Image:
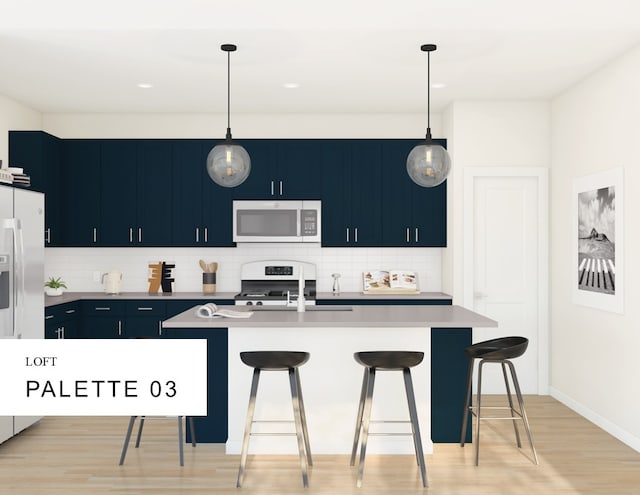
column 276, row 282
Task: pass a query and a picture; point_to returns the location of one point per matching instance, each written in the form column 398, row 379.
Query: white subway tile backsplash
column 77, row 265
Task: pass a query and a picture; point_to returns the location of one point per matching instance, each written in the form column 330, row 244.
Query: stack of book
column 18, row 176
column 390, row 282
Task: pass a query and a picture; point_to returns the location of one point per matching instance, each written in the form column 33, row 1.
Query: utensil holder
column 209, row 283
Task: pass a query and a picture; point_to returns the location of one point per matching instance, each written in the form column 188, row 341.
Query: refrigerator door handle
column 14, row 225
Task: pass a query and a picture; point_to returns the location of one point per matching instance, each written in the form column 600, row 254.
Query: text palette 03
column 94, row 377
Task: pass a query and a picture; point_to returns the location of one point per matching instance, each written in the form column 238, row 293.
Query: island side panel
column 331, row 382
column 448, row 383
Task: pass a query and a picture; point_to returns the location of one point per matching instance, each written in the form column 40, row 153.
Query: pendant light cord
column 229, row 95
column 429, row 91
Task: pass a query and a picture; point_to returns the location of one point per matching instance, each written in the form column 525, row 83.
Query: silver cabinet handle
column 139, row 234
column 407, row 234
column 119, row 328
column 144, row 308
column 160, row 327
column 130, row 234
column 206, row 234
column 197, row 234
column 347, row 234
column 102, row 308
column 355, row 235
column 417, row 234
column 48, row 231
column 48, row 317
column 272, row 190
column 70, row 311
column 62, row 332
column 95, row 235
column 280, row 188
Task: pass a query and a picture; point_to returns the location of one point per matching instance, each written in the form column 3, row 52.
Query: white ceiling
column 348, row 56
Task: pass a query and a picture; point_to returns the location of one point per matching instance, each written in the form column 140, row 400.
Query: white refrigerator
column 21, row 277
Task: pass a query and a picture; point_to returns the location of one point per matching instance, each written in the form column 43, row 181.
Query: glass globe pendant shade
column 228, row 164
column 428, row 164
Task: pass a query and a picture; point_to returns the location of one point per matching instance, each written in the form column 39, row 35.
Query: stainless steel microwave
column 277, row 221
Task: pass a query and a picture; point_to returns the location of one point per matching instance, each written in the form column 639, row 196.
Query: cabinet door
column 38, row 153
column 299, row 169
column 397, row 215
column 336, row 199
column 187, row 182
column 81, row 192
column 119, row 188
column 261, row 183
column 429, row 207
column 96, row 327
column 366, row 193
column 154, row 191
column 217, row 206
column 143, row 318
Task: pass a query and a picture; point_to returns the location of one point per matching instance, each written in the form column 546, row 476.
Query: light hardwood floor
column 79, row 456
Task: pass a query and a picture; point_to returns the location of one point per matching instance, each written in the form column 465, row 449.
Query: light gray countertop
column 359, row 316
column 325, row 296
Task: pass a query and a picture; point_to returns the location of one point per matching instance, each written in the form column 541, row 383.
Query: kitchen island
column 331, row 380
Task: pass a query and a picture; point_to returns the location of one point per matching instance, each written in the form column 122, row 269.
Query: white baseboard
column 611, row 428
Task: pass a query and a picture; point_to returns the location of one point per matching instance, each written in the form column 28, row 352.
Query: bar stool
column 139, row 436
column 386, row 361
column 500, row 350
column 278, row 361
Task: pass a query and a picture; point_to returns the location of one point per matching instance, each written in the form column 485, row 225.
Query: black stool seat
column 389, row 360
column 274, row 360
column 500, row 348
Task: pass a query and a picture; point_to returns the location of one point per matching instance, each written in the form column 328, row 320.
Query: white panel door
column 505, row 269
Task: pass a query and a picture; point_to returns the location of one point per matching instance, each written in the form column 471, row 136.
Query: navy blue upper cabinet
column 38, row 153
column 351, row 193
column 201, row 211
column 81, row 192
column 412, row 215
column 136, row 192
column 282, row 169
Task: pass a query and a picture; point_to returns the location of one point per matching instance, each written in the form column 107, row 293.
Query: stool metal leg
column 523, row 412
column 365, row 424
column 180, row 441
column 363, row 396
column 467, row 404
column 297, row 416
column 478, row 405
column 511, row 409
column 415, row 427
column 127, row 437
column 247, row 428
column 193, row 431
column 139, row 436
column 303, row 417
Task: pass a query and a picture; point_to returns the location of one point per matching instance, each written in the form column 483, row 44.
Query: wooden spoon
column 203, row 265
column 213, row 267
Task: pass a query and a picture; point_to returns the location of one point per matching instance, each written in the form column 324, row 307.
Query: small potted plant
column 54, row 286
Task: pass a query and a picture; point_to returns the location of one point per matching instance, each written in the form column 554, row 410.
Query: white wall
column 488, row 134
column 77, row 265
column 594, row 360
column 15, row 116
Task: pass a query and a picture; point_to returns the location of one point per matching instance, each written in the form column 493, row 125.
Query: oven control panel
column 277, row 271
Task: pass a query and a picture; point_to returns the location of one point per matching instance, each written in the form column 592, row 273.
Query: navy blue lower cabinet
column 448, row 383
column 212, row 428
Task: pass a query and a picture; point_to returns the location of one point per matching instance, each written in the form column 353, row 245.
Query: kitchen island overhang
column 331, row 380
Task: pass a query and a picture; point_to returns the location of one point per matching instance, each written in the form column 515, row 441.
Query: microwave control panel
column 309, row 221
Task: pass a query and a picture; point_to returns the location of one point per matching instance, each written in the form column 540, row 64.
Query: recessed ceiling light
column 291, row 85
column 145, row 85
column 438, row 85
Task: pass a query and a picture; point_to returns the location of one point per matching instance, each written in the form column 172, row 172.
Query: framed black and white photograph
column 599, row 263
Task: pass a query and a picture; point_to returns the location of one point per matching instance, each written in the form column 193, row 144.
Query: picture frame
column 598, row 241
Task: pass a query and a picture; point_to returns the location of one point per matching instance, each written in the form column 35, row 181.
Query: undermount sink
column 293, row 308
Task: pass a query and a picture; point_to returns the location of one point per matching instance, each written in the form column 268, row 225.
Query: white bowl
column 53, row 292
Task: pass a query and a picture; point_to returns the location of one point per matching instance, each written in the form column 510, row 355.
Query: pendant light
column 428, row 164
column 228, row 164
